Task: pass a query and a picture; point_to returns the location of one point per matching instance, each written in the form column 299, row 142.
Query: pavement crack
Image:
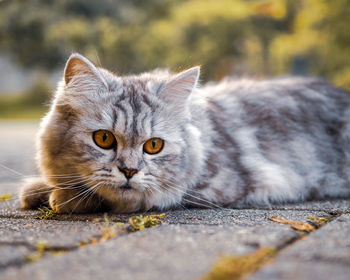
column 109, row 230
column 301, row 236
column 36, row 251
column 239, row 267
column 32, row 246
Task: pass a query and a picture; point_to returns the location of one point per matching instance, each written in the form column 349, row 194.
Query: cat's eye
column 104, row 139
column 153, row 146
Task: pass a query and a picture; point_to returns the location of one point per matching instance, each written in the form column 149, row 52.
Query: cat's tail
column 35, row 193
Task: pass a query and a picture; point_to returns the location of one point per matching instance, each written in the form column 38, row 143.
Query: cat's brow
column 120, row 109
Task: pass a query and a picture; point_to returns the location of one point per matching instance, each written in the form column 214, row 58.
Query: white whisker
column 172, row 185
column 11, row 170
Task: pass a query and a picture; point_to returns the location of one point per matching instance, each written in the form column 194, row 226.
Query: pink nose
column 128, row 173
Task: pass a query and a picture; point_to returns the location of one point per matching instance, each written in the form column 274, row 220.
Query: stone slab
column 301, row 270
column 164, row 252
column 54, row 233
column 331, row 206
column 12, row 255
column 325, row 254
column 330, row 243
column 243, row 217
column 159, row 251
column 20, row 237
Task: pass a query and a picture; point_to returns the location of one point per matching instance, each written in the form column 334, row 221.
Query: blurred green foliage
column 255, row 37
column 31, row 104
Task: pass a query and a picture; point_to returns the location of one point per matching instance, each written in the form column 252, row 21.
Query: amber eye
column 104, row 139
column 153, row 146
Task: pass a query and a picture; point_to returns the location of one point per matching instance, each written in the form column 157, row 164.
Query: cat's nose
column 128, row 172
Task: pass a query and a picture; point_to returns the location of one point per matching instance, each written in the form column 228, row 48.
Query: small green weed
column 46, row 213
column 40, row 252
column 237, row 267
column 137, row 223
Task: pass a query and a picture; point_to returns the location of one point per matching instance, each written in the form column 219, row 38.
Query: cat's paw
column 35, row 193
column 74, row 201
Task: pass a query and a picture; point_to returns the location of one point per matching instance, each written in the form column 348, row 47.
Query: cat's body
column 235, row 143
column 275, row 141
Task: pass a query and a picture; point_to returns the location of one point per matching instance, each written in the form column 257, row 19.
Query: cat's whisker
column 89, row 196
column 150, row 184
column 75, row 197
column 86, row 194
column 73, row 184
column 12, row 170
column 198, row 203
column 73, row 175
column 206, row 202
column 74, row 181
column 187, row 200
column 46, row 191
column 193, row 196
column 24, row 176
column 149, row 188
column 173, row 183
column 29, row 194
column 190, row 190
column 67, row 176
column 177, row 202
column 153, row 185
column 168, row 191
column 70, row 184
column 93, row 190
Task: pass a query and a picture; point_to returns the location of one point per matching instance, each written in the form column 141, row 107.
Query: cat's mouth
column 126, row 189
column 122, row 189
column 126, row 186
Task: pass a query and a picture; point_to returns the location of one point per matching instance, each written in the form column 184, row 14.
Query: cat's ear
column 79, row 70
column 181, row 85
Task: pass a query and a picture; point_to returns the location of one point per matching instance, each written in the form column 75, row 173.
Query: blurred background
column 256, row 38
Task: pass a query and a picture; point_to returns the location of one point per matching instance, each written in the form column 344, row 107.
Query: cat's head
column 129, row 139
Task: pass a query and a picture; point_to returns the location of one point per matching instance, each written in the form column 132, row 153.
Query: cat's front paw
column 35, row 193
column 74, row 201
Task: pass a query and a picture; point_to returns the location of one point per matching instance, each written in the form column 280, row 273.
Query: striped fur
column 235, row 143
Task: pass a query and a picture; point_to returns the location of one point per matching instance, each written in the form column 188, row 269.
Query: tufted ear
column 181, row 85
column 81, row 71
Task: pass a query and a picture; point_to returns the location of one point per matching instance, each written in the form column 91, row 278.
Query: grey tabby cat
column 158, row 141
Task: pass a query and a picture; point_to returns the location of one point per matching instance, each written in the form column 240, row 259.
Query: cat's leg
column 35, row 193
column 76, row 201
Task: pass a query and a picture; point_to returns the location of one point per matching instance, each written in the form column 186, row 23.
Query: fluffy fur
column 235, row 143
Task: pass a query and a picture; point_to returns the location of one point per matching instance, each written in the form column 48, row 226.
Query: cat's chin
column 125, row 199
column 122, row 191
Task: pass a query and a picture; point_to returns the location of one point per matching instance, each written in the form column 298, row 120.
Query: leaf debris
column 301, row 226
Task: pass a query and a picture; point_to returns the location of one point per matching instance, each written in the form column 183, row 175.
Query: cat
column 159, row 141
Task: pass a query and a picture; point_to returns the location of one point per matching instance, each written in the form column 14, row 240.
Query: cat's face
column 127, row 139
